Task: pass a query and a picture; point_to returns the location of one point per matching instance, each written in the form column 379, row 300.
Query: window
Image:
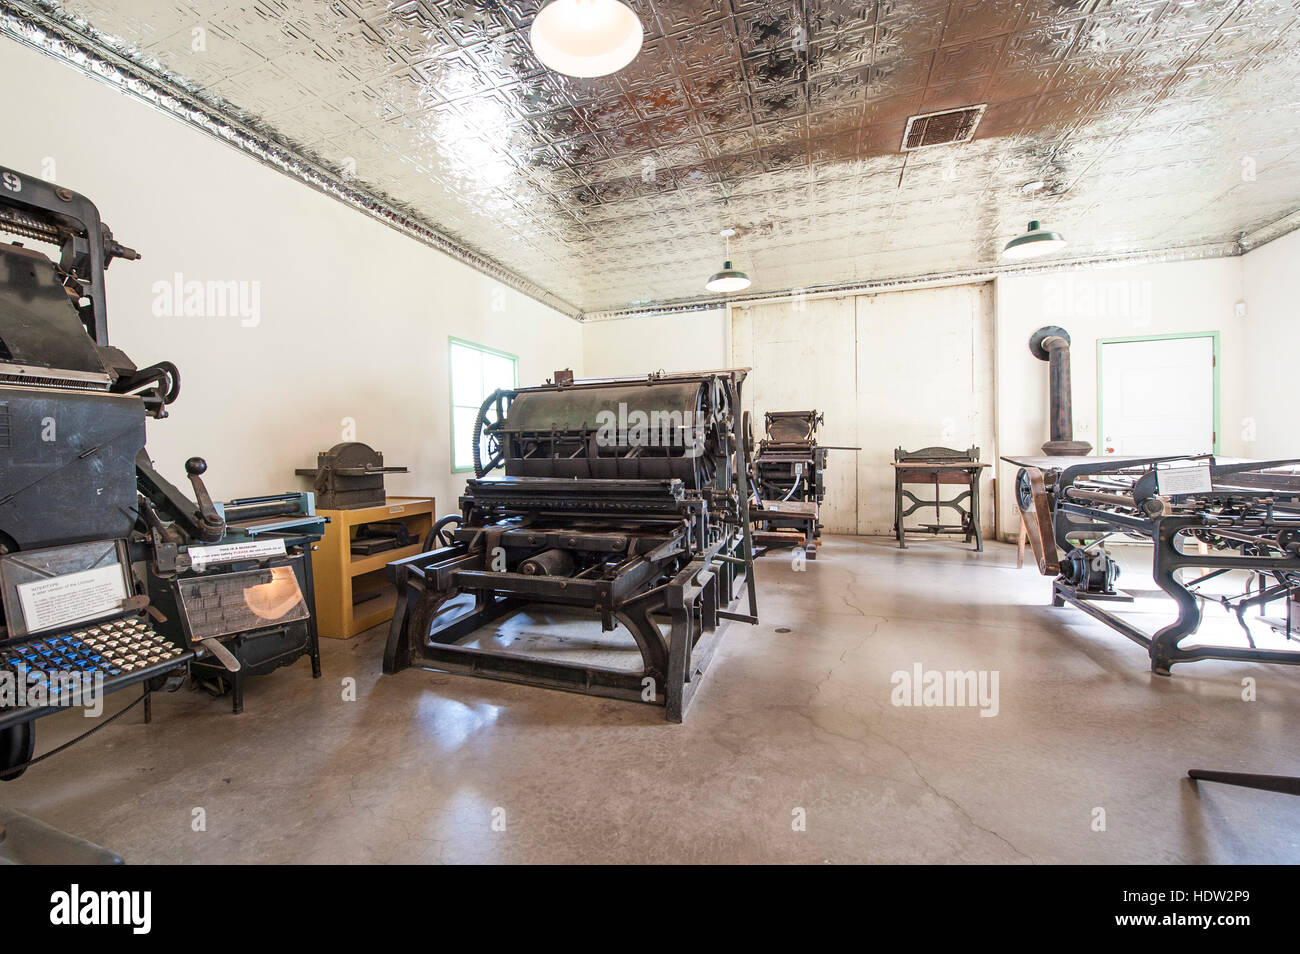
column 475, row 373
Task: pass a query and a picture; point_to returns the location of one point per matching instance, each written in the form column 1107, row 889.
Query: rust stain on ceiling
column 1153, row 124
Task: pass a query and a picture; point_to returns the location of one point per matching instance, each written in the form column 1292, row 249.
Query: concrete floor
column 795, row 714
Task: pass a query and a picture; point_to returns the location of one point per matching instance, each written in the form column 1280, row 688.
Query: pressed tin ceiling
column 1151, row 126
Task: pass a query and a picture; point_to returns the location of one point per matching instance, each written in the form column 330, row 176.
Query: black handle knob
column 214, row 525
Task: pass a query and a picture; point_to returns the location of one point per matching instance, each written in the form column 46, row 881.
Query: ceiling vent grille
column 946, row 128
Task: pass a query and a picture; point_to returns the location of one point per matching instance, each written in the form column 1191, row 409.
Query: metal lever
column 224, row 655
column 214, row 525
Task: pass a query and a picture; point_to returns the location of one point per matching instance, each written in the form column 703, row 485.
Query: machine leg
column 898, row 511
column 148, row 708
column 679, row 651
column 313, row 633
column 1284, row 784
column 975, row 512
column 1164, row 644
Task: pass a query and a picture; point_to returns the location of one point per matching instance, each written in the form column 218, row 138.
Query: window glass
column 475, row 373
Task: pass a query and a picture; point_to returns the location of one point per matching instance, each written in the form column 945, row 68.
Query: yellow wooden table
column 353, row 592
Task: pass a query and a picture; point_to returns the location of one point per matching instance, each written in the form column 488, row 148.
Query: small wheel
column 441, row 534
column 1024, row 491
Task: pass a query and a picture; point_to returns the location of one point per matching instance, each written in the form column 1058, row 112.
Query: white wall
column 1136, row 300
column 925, row 379
column 911, row 369
column 805, row 359
column 1272, row 323
column 354, row 317
column 696, row 341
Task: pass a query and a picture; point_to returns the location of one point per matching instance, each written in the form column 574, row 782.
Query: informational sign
column 1175, row 479
column 72, row 598
column 201, row 557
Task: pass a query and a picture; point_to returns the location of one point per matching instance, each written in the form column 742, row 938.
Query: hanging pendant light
column 729, row 279
column 586, row 38
column 1035, row 242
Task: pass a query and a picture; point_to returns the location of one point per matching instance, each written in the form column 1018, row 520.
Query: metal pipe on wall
column 1052, row 344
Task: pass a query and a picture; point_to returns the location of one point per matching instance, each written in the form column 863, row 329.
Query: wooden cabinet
column 352, row 592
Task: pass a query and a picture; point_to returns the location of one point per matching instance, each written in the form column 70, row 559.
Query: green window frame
column 473, row 372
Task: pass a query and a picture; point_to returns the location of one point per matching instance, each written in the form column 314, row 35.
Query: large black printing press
column 626, row 499
column 111, row 576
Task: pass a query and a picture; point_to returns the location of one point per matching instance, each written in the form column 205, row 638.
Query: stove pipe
column 1052, row 344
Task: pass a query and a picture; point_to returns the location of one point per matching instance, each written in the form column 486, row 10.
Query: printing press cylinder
column 672, row 429
column 548, row 563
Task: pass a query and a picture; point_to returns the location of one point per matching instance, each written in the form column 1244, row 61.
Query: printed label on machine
column 1184, row 479
column 72, row 598
column 232, row 552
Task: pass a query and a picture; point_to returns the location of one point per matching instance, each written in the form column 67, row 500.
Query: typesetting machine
column 1204, row 518
column 107, row 570
column 647, row 526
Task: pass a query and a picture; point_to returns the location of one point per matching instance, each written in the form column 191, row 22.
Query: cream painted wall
column 1138, row 300
column 911, row 368
column 696, row 341
column 1272, row 346
column 805, row 359
column 354, row 317
column 925, row 378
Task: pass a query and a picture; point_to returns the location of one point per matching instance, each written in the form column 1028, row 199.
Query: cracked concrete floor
column 795, row 714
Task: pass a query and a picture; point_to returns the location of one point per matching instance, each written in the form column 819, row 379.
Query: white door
column 1157, row 396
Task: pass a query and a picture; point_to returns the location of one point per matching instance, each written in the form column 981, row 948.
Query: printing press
column 626, row 499
column 1204, row 519
column 108, row 573
column 790, row 481
column 349, row 476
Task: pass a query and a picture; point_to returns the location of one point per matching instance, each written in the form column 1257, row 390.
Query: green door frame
column 1214, row 339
